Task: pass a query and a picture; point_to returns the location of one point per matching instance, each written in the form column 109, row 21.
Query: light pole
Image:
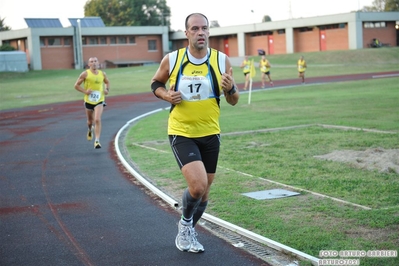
column 253, row 13
column 80, row 46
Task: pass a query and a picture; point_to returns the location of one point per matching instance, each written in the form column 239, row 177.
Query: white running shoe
column 196, row 246
column 183, row 238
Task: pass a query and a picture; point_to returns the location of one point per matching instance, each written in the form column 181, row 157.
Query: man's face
column 198, row 31
column 93, row 63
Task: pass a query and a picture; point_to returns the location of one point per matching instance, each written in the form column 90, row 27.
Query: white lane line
column 301, row 189
column 385, row 76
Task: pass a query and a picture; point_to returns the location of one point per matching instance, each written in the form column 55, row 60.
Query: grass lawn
column 48, row 86
column 283, row 135
column 257, row 159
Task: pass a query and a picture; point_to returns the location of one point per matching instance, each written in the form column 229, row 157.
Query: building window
column 54, row 41
column 281, row 31
column 112, row 40
column 121, row 40
column 379, row 24
column 42, row 42
column 67, row 41
column 305, row 29
column 132, row 39
column 93, row 41
column 103, row 40
column 332, row 26
column 152, row 45
column 83, row 40
column 369, row 25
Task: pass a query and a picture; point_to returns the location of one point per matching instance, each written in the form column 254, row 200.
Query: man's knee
column 197, row 191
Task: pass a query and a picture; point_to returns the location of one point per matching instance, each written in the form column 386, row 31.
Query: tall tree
column 392, row 5
column 266, row 18
column 129, row 12
column 3, row 26
column 383, row 6
column 214, row 24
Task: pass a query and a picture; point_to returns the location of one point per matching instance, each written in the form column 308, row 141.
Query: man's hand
column 227, row 80
column 172, row 96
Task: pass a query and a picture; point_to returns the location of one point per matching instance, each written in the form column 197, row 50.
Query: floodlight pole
column 80, row 47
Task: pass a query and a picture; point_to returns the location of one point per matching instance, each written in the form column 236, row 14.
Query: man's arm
column 158, row 81
column 107, row 84
column 80, row 80
column 229, row 86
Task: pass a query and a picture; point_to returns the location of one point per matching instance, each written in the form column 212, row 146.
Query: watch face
column 232, row 91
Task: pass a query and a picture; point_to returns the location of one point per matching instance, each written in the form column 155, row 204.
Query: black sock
column 189, row 206
column 200, row 210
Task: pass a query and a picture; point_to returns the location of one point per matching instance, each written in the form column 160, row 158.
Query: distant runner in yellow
column 301, row 68
column 94, row 99
column 246, row 69
column 264, row 66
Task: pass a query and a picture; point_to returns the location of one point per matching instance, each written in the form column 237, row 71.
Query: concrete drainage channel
column 269, row 255
column 266, row 249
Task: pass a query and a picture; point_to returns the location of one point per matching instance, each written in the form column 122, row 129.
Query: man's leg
column 263, row 80
column 246, row 81
column 197, row 191
column 270, row 79
column 195, row 175
column 98, row 111
column 89, row 115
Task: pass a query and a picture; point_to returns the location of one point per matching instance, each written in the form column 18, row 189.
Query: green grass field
column 47, row 86
column 286, row 155
column 252, row 161
column 256, row 161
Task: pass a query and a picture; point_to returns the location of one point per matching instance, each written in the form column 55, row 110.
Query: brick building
column 49, row 45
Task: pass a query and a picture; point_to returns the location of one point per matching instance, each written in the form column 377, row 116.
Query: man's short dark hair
column 207, row 21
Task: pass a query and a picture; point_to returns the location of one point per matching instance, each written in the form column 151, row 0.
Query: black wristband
column 155, row 85
column 233, row 90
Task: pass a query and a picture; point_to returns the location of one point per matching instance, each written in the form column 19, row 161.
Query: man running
column 94, row 97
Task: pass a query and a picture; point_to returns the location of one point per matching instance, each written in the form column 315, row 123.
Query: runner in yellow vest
column 301, row 68
column 264, row 66
column 93, row 81
column 246, row 69
column 198, row 76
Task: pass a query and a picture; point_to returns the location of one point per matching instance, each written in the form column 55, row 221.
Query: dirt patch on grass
column 377, row 235
column 383, row 160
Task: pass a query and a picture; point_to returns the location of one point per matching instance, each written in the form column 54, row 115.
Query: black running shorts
column 92, row 106
column 205, row 149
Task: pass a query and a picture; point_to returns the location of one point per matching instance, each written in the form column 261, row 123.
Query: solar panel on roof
column 87, row 22
column 43, row 22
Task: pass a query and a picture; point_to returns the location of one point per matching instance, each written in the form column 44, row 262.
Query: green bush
column 7, row 47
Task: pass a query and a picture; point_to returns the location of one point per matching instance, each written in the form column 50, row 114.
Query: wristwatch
column 233, row 90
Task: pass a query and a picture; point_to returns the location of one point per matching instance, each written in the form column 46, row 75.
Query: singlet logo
column 196, row 72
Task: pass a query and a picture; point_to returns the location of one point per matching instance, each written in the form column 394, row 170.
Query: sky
column 225, row 12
